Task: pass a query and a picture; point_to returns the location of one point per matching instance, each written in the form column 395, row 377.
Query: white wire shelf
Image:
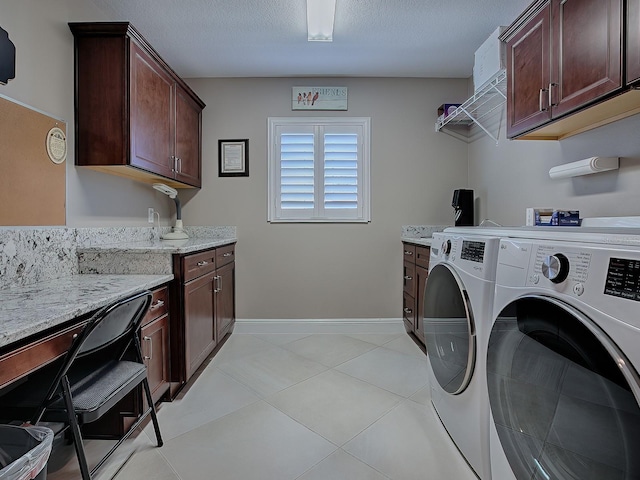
column 477, row 110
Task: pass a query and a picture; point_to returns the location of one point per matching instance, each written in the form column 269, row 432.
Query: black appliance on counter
column 462, row 204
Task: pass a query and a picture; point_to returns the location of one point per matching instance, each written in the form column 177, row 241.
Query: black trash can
column 24, row 452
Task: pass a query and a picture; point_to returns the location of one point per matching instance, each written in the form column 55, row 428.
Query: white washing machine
column 458, row 301
column 563, row 359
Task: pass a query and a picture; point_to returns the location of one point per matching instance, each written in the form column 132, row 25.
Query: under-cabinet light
column 320, row 18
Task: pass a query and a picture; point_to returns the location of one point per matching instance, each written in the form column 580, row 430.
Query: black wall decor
column 7, row 58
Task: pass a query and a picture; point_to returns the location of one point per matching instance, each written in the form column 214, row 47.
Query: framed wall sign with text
column 233, row 158
column 319, row 98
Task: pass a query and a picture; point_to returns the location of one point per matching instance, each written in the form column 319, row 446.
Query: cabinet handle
column 158, row 304
column 407, row 252
column 179, row 164
column 173, row 158
column 540, row 98
column 148, row 339
column 218, row 280
column 228, row 254
column 407, row 277
column 551, row 85
column 202, row 263
column 407, row 310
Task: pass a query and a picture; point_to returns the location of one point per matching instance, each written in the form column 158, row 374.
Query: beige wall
column 514, row 175
column 44, row 80
column 284, row 271
column 329, row 270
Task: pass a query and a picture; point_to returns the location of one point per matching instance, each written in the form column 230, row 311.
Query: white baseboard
column 315, row 325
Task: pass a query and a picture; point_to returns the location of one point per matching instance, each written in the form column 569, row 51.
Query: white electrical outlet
column 150, row 217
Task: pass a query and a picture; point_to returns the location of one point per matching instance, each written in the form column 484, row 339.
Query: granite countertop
column 424, row 241
column 189, row 245
column 31, row 309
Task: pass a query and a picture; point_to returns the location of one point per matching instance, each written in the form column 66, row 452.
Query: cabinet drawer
column 224, row 255
column 422, row 256
column 199, row 264
column 159, row 305
column 409, row 252
column 16, row 364
column 408, row 308
column 409, row 278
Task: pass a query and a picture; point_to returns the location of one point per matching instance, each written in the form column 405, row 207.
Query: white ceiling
column 268, row 38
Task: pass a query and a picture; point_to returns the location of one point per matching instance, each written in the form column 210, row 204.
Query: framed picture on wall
column 233, row 158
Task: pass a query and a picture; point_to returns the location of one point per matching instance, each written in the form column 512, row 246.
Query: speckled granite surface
column 421, row 231
column 146, row 256
column 40, row 281
column 28, row 310
column 30, row 255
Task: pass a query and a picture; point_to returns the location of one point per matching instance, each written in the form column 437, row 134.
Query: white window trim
column 273, row 157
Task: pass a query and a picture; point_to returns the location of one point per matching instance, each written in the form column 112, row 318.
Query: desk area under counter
column 38, row 321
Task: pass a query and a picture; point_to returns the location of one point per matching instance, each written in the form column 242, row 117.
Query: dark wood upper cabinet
column 134, row 115
column 633, row 41
column 528, row 74
column 562, row 56
column 587, row 52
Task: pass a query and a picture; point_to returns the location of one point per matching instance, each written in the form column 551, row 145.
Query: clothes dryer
column 563, row 358
column 458, row 300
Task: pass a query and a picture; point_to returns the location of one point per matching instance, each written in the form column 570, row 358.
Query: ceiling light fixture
column 320, row 17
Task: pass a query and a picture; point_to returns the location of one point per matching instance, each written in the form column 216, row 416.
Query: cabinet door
column 409, row 278
column 528, row 73
column 225, row 300
column 421, row 280
column 633, row 41
column 155, row 352
column 152, row 115
column 198, row 321
column 409, row 312
column 587, row 38
column 188, row 134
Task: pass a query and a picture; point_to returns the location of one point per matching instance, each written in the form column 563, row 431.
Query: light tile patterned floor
column 297, row 407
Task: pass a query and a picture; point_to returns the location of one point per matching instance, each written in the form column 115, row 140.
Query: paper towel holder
column 585, row 167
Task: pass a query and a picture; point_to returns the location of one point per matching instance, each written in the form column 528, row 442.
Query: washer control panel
column 599, row 276
column 623, row 278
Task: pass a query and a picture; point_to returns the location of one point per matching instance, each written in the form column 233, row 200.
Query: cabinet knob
column 148, row 339
column 407, row 277
column 540, row 99
column 157, row 304
column 551, row 85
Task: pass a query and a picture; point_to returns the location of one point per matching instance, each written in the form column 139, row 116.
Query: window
column 319, row 169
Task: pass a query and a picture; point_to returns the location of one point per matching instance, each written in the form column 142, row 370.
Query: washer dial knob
column 446, row 247
column 555, row 267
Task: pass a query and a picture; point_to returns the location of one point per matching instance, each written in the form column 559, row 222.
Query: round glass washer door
column 449, row 329
column 564, row 398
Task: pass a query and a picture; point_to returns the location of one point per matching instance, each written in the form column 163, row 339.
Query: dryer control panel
column 623, row 278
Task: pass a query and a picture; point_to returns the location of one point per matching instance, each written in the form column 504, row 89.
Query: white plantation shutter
column 319, row 169
column 296, row 171
column 341, row 171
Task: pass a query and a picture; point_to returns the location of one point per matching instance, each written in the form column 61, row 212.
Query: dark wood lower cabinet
column 200, row 339
column 415, row 273
column 421, row 280
column 155, row 351
column 205, row 310
column 225, row 300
